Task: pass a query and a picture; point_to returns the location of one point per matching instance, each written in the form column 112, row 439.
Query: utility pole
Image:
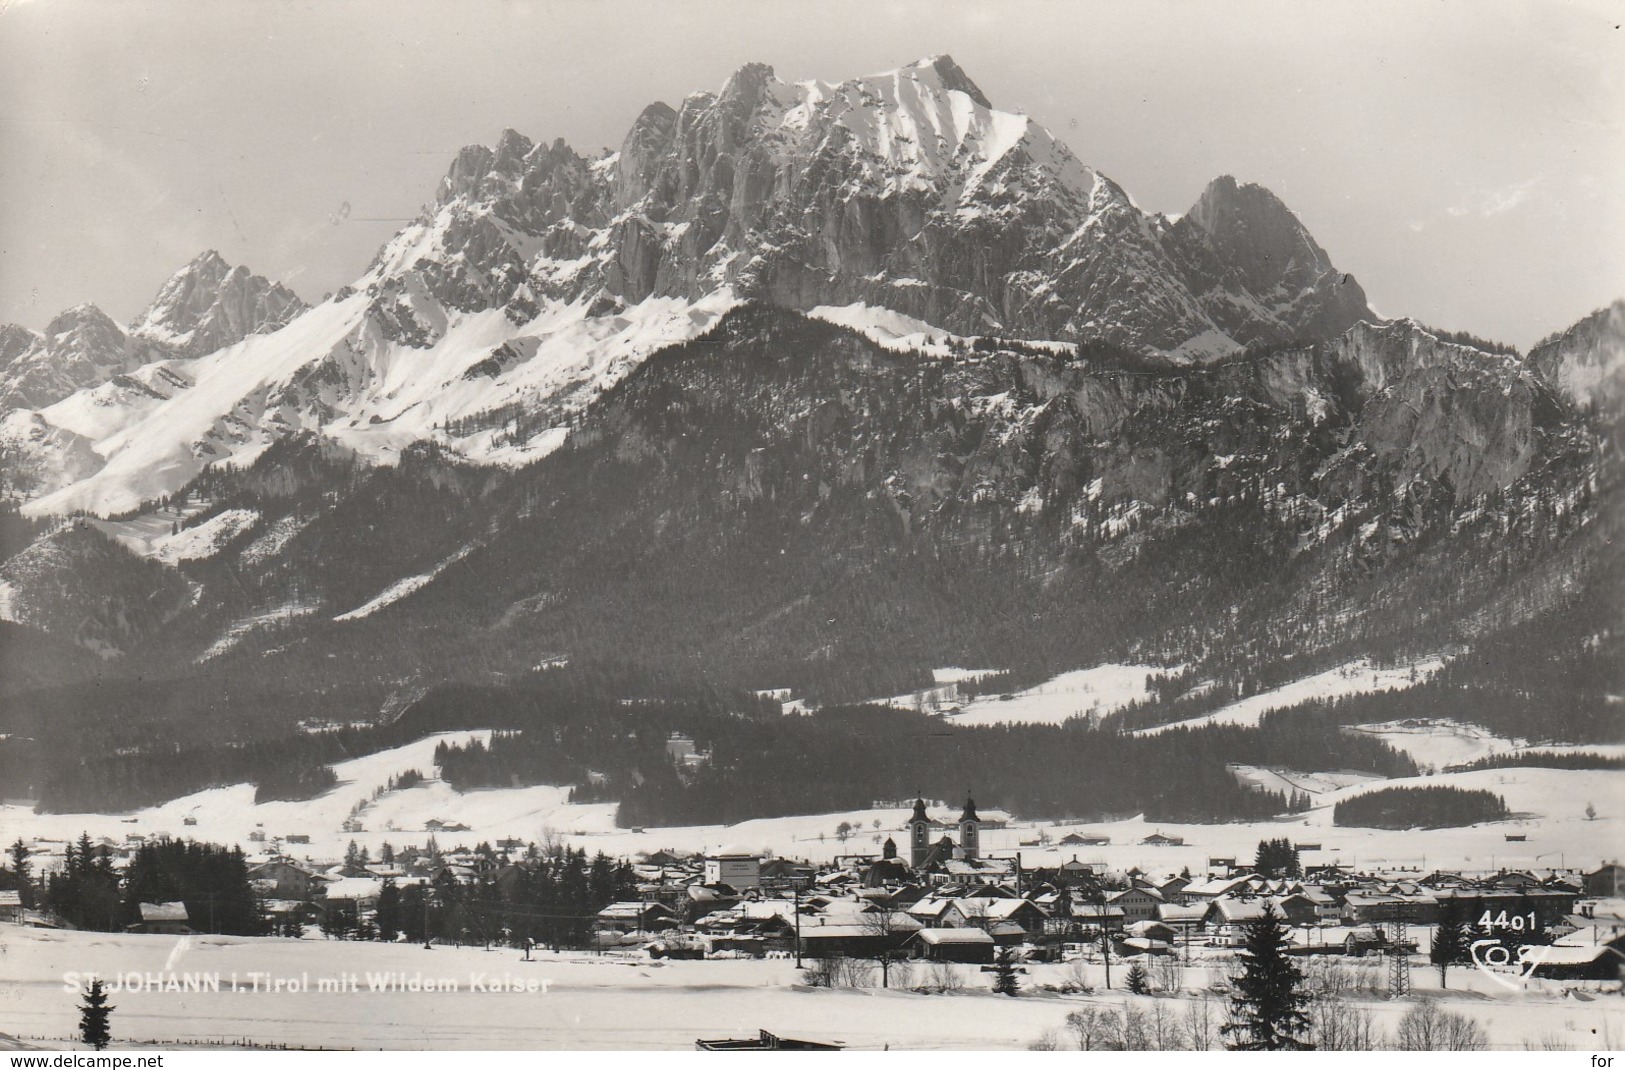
column 797, row 881
column 426, row 946
column 1105, row 938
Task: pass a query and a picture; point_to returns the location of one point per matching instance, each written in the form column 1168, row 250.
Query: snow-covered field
column 631, row 1002
column 1098, row 691
column 1355, row 678
column 1291, row 780
column 1439, row 743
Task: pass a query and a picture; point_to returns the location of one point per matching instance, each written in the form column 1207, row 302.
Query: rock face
column 209, row 305
column 205, row 306
column 80, row 347
column 537, row 279
column 905, row 190
column 1262, row 275
column 1586, row 363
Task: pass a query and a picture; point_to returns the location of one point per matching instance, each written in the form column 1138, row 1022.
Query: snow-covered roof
column 734, row 850
column 631, row 909
column 163, row 911
column 1214, row 888
column 1239, row 909
column 354, row 888
column 1566, row 955
column 1178, row 914
column 936, row 937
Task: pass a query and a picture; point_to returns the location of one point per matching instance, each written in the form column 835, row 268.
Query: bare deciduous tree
column 1426, row 1027
column 1167, row 974
column 1201, row 1027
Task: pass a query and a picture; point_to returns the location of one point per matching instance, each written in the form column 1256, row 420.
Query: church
column 924, row 854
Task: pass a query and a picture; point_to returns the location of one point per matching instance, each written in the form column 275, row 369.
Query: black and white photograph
column 901, row 525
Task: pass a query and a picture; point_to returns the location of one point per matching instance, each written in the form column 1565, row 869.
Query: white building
column 734, row 866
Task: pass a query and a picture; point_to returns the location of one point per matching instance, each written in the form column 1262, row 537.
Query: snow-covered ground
column 1355, row 678
column 1288, row 781
column 1098, row 691
column 628, row 1001
column 1550, row 804
column 403, row 587
column 204, row 540
column 243, row 625
column 1438, row 742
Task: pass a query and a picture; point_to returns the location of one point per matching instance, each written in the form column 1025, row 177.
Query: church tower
column 969, row 826
column 919, row 835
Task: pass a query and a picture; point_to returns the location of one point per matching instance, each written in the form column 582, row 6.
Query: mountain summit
column 905, row 190
column 537, row 278
column 209, row 304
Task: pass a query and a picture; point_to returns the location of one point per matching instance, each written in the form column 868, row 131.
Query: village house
column 635, row 917
column 281, row 879
column 953, row 945
column 1137, row 904
column 1607, row 882
column 164, row 918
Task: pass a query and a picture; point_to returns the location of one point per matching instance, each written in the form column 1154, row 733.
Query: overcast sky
column 1463, row 159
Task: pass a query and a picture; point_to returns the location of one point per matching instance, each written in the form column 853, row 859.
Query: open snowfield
column 1355, row 678
column 1288, row 781
column 595, row 1002
column 1439, row 743
column 1101, row 690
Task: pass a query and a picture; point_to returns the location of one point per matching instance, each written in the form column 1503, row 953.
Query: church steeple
column 969, row 827
column 919, row 835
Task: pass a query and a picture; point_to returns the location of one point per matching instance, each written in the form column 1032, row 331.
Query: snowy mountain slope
column 537, row 277
column 1355, row 678
column 336, row 372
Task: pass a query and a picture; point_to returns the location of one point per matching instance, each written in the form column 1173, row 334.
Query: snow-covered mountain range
column 808, row 388
column 538, row 277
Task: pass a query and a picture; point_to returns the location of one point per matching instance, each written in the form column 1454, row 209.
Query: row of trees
column 844, row 757
column 1427, row 807
column 549, row 901
column 89, row 893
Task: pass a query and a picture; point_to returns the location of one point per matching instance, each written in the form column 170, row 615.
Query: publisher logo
column 1492, row 953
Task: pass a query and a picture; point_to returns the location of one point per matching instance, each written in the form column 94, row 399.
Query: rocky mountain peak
column 15, row 340
column 84, row 323
column 1252, row 229
column 209, row 304
column 511, row 151
column 1586, row 363
column 745, row 85
column 952, row 77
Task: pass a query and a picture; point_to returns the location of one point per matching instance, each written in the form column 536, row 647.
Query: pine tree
column 1005, row 982
column 1449, row 942
column 389, row 910
column 1136, row 980
column 1267, row 1007
column 23, row 872
column 93, row 1015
